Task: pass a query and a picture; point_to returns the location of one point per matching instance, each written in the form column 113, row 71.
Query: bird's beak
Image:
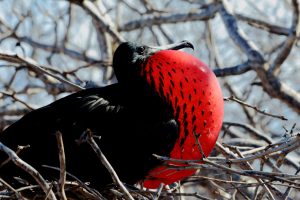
column 175, row 46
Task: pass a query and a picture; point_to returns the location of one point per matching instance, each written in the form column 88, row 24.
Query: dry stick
column 49, row 190
column 288, row 44
column 29, row 169
column 286, row 145
column 233, row 70
column 93, row 192
column 271, row 176
column 263, row 25
column 104, row 161
column 271, row 83
column 20, row 148
column 290, row 145
column 269, row 182
column 157, row 194
column 199, row 145
column 245, row 184
column 104, row 40
column 62, row 163
column 257, row 133
column 13, row 58
column 17, row 99
column 50, row 48
column 30, row 62
column 293, row 143
column 18, row 195
column 265, row 185
column 92, row 10
column 76, row 55
column 69, row 183
column 245, row 166
column 289, row 189
column 177, row 194
column 251, row 173
column 232, row 98
column 170, row 18
column 221, row 191
column 182, row 194
column 288, row 140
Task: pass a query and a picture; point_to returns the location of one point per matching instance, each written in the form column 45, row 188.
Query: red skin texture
column 200, row 112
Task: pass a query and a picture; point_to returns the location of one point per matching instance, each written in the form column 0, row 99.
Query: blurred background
column 51, row 48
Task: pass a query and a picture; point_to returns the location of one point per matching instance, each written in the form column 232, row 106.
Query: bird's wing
column 96, row 108
column 73, row 113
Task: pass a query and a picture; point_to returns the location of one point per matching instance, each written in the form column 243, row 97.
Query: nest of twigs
column 257, row 172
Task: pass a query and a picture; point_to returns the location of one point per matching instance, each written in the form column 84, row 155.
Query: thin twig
column 232, row 98
column 13, row 58
column 13, row 96
column 105, row 162
column 29, row 169
column 17, row 193
column 255, row 132
column 157, row 194
column 93, row 192
column 62, row 163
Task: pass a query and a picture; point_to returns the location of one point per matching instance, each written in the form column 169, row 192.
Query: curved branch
column 167, row 18
column 271, row 84
column 235, row 70
column 104, row 39
column 290, row 41
column 90, row 8
column 251, row 129
column 13, row 58
column 271, row 28
column 88, row 135
column 237, row 35
column 59, row 49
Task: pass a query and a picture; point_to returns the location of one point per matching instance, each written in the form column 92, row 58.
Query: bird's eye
column 140, row 50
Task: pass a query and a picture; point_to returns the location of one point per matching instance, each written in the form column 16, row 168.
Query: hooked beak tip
column 187, row 44
column 177, row 46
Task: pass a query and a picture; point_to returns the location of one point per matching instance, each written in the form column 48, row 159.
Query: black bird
column 130, row 117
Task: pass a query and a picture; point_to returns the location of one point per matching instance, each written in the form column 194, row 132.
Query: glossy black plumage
column 132, row 121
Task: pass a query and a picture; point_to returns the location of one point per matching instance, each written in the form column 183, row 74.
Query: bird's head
column 130, row 57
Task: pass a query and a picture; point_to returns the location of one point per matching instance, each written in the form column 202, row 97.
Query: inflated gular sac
column 193, row 92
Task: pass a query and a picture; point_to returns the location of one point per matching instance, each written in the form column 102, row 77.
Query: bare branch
column 90, row 8
column 13, row 58
column 167, row 18
column 105, row 162
column 60, row 49
column 29, row 169
column 17, row 193
column 290, row 40
column 257, row 133
column 235, row 70
column 93, row 192
column 62, row 163
column 237, row 35
column 264, row 25
column 13, row 96
column 232, row 98
column 270, row 83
